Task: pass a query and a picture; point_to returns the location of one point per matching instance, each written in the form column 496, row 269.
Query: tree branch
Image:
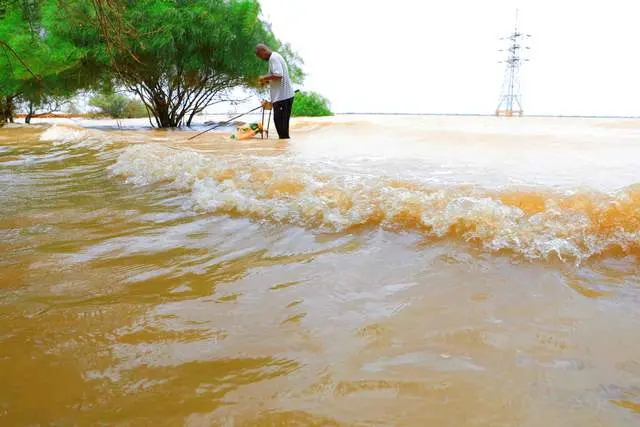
column 6, row 46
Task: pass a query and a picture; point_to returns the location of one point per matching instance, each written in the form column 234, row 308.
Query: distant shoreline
column 486, row 115
column 88, row 116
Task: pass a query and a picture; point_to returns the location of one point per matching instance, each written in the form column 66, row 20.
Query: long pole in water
column 224, row 123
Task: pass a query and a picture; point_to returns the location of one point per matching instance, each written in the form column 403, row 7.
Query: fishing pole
column 244, row 114
column 225, row 123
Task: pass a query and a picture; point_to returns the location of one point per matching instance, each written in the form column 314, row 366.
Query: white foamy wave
column 64, row 134
column 533, row 224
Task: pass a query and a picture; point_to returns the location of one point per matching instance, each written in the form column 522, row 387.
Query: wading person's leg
column 277, row 117
column 281, row 115
column 288, row 104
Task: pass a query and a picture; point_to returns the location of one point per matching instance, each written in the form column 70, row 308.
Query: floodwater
column 387, row 271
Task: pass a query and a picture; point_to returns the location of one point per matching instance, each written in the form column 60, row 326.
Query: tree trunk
column 174, row 105
column 149, row 117
column 30, row 114
column 6, row 110
column 161, row 112
column 10, row 108
column 3, row 119
column 191, row 116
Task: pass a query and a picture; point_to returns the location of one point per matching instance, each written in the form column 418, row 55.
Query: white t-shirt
column 280, row 89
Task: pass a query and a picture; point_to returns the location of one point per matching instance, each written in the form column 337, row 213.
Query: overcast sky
column 442, row 56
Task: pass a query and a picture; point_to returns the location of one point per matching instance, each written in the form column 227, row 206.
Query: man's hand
column 266, row 105
column 267, row 77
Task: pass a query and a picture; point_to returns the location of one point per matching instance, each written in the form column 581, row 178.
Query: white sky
column 442, row 56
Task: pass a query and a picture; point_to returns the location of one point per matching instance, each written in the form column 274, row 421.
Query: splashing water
column 533, row 223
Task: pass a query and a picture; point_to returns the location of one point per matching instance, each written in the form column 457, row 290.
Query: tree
column 7, row 109
column 135, row 109
column 37, row 65
column 310, row 104
column 11, row 28
column 43, row 105
column 118, row 106
column 112, row 105
column 183, row 56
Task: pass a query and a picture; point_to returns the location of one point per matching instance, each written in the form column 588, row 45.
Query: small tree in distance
column 118, row 106
column 310, row 104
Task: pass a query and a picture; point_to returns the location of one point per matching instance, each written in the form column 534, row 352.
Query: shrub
column 310, row 104
column 135, row 109
column 118, row 106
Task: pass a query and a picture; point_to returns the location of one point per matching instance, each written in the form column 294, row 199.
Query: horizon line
column 490, row 115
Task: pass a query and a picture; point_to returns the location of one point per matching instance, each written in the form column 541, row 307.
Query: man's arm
column 268, row 77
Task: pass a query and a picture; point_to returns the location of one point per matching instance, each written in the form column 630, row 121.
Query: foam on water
column 62, row 134
column 535, row 223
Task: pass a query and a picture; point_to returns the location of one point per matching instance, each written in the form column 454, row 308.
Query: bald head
column 263, row 51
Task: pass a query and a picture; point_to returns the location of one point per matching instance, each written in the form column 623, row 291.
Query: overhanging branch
column 6, row 46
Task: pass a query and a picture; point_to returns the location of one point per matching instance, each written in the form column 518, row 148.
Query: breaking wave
column 534, row 223
column 68, row 134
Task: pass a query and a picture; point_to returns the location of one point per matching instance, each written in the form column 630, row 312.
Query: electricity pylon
column 510, row 96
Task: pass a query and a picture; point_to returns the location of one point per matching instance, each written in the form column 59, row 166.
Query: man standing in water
column 281, row 91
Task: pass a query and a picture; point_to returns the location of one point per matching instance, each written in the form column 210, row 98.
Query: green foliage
column 310, row 104
column 177, row 56
column 111, row 105
column 36, row 62
column 181, row 56
column 135, row 109
column 118, row 106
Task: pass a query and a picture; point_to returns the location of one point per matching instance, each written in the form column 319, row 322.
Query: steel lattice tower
column 510, row 97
